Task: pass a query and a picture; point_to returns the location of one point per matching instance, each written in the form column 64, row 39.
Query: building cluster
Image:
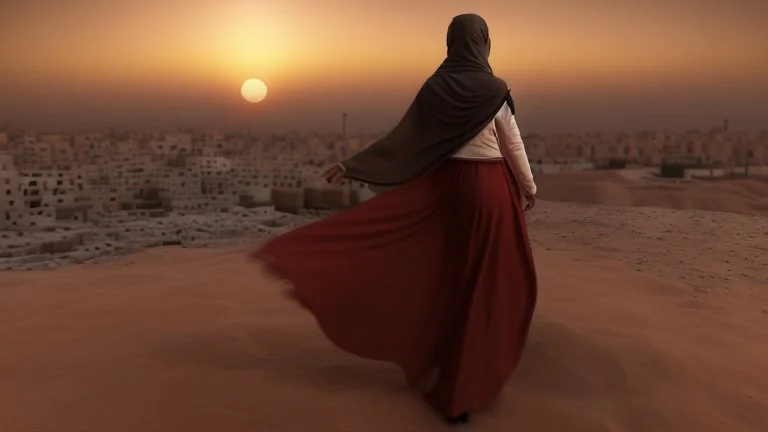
column 49, row 179
column 718, row 147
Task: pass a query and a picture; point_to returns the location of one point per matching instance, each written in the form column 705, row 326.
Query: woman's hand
column 333, row 174
column 530, row 201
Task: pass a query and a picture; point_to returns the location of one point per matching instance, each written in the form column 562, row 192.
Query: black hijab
column 452, row 107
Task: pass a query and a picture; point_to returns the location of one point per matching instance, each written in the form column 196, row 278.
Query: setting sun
column 254, row 90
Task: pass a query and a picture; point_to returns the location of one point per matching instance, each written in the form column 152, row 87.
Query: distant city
column 65, row 183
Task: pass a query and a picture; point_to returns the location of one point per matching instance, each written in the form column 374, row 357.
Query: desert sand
column 620, row 188
column 648, row 320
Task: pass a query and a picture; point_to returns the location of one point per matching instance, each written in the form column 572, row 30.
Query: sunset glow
column 371, row 56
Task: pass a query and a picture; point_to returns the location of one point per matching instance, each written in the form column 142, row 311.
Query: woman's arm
column 513, row 150
column 334, row 173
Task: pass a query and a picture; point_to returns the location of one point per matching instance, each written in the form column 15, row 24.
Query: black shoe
column 459, row 419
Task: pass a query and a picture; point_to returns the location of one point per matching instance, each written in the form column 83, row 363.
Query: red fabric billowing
column 436, row 276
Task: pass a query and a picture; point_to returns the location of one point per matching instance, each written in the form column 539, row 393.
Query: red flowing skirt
column 435, row 275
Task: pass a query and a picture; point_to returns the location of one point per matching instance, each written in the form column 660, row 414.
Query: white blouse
column 501, row 139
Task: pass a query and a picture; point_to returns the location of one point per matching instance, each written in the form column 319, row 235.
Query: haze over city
column 573, row 66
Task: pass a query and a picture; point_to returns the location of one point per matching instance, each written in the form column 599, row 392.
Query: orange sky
column 572, row 64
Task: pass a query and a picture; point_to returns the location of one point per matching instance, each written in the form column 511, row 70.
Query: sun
column 254, row 90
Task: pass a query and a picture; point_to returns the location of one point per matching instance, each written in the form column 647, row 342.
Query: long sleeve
column 513, row 150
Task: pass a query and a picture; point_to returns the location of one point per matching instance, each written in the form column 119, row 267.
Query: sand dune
column 648, row 320
column 743, row 196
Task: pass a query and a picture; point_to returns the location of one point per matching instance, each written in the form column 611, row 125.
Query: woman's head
column 469, row 42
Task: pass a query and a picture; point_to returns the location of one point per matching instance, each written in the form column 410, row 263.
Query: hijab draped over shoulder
column 452, row 107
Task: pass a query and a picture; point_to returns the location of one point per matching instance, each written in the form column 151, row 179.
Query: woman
column 436, row 274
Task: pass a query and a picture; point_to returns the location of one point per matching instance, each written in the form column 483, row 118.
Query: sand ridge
column 646, row 322
column 742, row 196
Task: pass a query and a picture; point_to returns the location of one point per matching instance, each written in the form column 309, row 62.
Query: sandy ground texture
column 648, row 320
column 625, row 188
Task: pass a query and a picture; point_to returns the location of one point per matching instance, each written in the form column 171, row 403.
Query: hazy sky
column 573, row 65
